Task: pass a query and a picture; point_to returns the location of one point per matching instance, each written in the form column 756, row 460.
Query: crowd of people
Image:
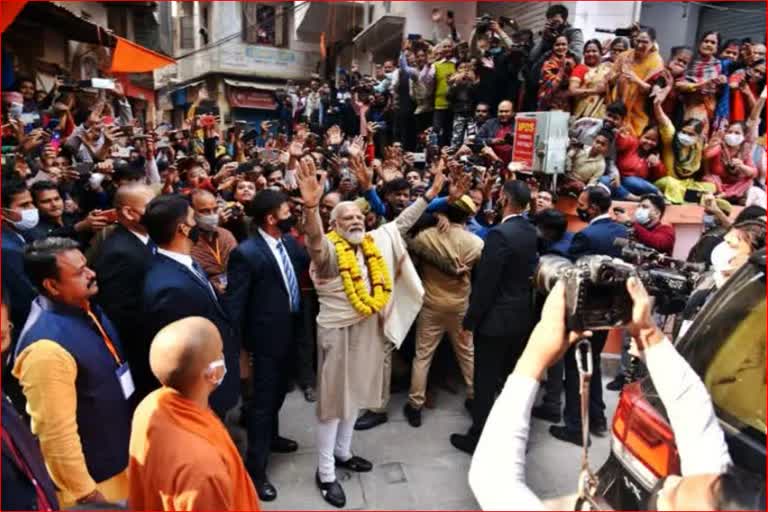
column 163, row 286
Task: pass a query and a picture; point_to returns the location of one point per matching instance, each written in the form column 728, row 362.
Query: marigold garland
column 354, row 287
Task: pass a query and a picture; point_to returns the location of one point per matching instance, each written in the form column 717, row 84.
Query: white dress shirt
column 186, row 260
column 144, row 239
column 600, row 217
column 497, row 473
column 272, row 243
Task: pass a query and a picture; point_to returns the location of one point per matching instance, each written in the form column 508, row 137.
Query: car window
column 736, row 375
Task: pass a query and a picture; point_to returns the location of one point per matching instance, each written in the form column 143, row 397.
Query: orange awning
column 9, row 9
column 130, row 57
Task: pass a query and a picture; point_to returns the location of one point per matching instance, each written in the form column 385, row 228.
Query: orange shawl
column 183, row 458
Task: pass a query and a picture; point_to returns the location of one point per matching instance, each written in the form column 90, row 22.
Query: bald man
column 213, row 247
column 181, row 455
column 498, row 132
column 121, row 263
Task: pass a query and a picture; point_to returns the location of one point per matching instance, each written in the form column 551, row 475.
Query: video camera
column 671, row 281
column 619, row 32
column 596, row 286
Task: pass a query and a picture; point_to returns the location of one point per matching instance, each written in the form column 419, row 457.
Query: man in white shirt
column 497, row 474
column 264, row 300
column 176, row 287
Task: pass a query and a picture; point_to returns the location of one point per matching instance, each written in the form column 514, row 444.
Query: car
column 725, row 345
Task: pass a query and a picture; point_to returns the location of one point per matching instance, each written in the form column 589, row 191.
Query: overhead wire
column 282, row 12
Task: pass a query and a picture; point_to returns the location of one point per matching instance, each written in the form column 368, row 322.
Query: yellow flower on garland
column 352, row 279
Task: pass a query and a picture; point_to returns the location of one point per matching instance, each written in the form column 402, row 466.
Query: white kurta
column 351, row 347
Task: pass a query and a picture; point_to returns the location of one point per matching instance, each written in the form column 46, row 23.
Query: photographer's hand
column 643, row 329
column 549, row 339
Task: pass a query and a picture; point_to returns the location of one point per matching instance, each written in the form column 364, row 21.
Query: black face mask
column 194, row 234
column 583, row 214
column 285, row 225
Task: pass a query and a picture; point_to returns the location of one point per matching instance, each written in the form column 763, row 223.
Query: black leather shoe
column 309, row 394
column 569, row 436
column 617, row 383
column 412, row 414
column 283, row 445
column 545, row 413
column 370, row 419
column 332, row 492
column 265, row 490
column 356, row 464
column 464, row 442
column 599, row 429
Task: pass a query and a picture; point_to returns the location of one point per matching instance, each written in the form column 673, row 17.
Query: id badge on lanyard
column 125, row 378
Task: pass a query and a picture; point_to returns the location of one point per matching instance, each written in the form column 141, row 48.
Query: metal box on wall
column 541, row 141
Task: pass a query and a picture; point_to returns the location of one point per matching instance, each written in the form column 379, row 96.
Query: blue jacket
column 258, row 299
column 15, row 282
column 560, row 248
column 172, row 292
column 598, row 239
column 103, row 413
column 20, row 493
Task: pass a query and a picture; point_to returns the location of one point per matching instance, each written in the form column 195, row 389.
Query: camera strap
column 587, row 484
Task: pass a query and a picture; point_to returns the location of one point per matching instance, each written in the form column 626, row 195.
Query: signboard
column 249, row 98
column 524, row 150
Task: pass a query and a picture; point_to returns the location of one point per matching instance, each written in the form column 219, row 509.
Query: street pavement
column 417, row 468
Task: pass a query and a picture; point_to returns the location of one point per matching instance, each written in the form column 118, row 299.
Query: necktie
column 152, row 246
column 293, row 286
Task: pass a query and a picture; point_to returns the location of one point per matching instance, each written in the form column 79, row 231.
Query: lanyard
column 104, row 335
column 217, row 253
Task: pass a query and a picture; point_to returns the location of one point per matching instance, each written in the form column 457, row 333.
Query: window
column 117, row 21
column 187, row 26
column 265, row 24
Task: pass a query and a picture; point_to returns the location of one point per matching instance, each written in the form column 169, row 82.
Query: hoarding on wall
column 523, row 150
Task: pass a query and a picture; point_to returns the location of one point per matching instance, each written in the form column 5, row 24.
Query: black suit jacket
column 121, row 264
column 257, row 298
column 172, row 292
column 500, row 303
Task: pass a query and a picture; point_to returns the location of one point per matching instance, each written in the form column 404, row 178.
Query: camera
column 483, row 23
column 596, row 293
column 669, row 280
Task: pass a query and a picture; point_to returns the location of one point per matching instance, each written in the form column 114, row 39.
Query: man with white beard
column 369, row 295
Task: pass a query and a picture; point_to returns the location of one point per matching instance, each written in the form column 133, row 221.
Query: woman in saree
column 555, row 77
column 681, row 152
column 588, row 83
column 631, row 73
column 703, row 81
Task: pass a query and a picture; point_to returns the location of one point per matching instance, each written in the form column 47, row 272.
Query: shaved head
column 135, row 195
column 182, row 350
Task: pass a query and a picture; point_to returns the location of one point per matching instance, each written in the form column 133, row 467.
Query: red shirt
column 660, row 237
column 630, row 163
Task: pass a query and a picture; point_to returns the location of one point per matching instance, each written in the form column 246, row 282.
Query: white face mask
column 219, row 363
column 642, row 216
column 734, row 139
column 29, row 219
column 685, row 139
column 207, row 222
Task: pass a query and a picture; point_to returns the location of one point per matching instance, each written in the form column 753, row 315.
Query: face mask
column 721, row 258
column 219, row 363
column 207, row 222
column 495, row 51
column 29, row 219
column 285, row 225
column 583, row 214
column 734, row 139
column 642, row 216
column 685, row 139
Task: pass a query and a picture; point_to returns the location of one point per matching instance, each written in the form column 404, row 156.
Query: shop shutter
column 529, row 15
column 732, row 20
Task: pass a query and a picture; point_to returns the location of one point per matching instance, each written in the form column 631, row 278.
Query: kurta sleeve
column 410, row 215
column 497, row 473
column 667, row 133
column 47, row 375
